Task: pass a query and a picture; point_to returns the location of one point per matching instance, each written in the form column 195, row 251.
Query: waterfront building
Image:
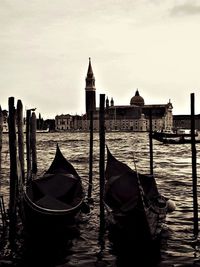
column 135, row 117
column 184, row 121
column 5, row 121
column 131, row 117
column 64, row 122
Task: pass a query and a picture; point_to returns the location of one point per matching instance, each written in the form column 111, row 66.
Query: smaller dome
column 137, row 100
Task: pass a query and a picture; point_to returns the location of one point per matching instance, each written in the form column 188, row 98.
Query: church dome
column 137, row 100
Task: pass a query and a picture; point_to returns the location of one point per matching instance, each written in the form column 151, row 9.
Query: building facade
column 132, row 117
column 184, row 121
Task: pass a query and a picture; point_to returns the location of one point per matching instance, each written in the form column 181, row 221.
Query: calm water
column 173, row 172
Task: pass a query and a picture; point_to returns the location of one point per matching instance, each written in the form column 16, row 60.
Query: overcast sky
column 152, row 45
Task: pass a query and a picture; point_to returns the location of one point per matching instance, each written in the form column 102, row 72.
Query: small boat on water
column 179, row 133
column 178, row 140
column 52, row 202
column 180, row 136
column 135, row 207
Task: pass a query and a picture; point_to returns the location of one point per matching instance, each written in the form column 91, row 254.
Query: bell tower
column 90, row 90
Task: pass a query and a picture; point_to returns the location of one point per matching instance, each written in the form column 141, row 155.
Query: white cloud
column 186, row 8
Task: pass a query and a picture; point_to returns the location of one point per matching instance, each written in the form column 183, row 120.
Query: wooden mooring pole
column 20, row 128
column 33, row 142
column 194, row 170
column 28, row 149
column 150, row 142
column 102, row 160
column 13, row 172
column 90, row 158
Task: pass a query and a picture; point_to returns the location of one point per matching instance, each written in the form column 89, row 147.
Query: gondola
column 134, row 206
column 51, row 203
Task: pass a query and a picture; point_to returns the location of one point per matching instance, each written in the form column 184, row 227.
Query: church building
column 131, row 117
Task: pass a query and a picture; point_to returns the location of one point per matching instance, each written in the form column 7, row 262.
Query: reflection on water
column 173, row 172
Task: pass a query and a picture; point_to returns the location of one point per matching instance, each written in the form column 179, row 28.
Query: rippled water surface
column 173, row 172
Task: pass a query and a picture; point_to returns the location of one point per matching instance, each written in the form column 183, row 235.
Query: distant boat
column 180, row 136
column 178, row 140
column 160, row 135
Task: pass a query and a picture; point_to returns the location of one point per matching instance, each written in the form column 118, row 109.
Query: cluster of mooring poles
column 194, row 167
column 17, row 166
column 17, row 163
column 102, row 162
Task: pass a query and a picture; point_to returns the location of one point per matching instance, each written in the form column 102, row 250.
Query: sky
column 149, row 45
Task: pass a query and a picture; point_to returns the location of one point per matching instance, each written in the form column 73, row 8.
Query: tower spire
column 90, row 71
column 90, row 89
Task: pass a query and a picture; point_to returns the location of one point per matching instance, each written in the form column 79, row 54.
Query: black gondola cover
column 52, row 202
